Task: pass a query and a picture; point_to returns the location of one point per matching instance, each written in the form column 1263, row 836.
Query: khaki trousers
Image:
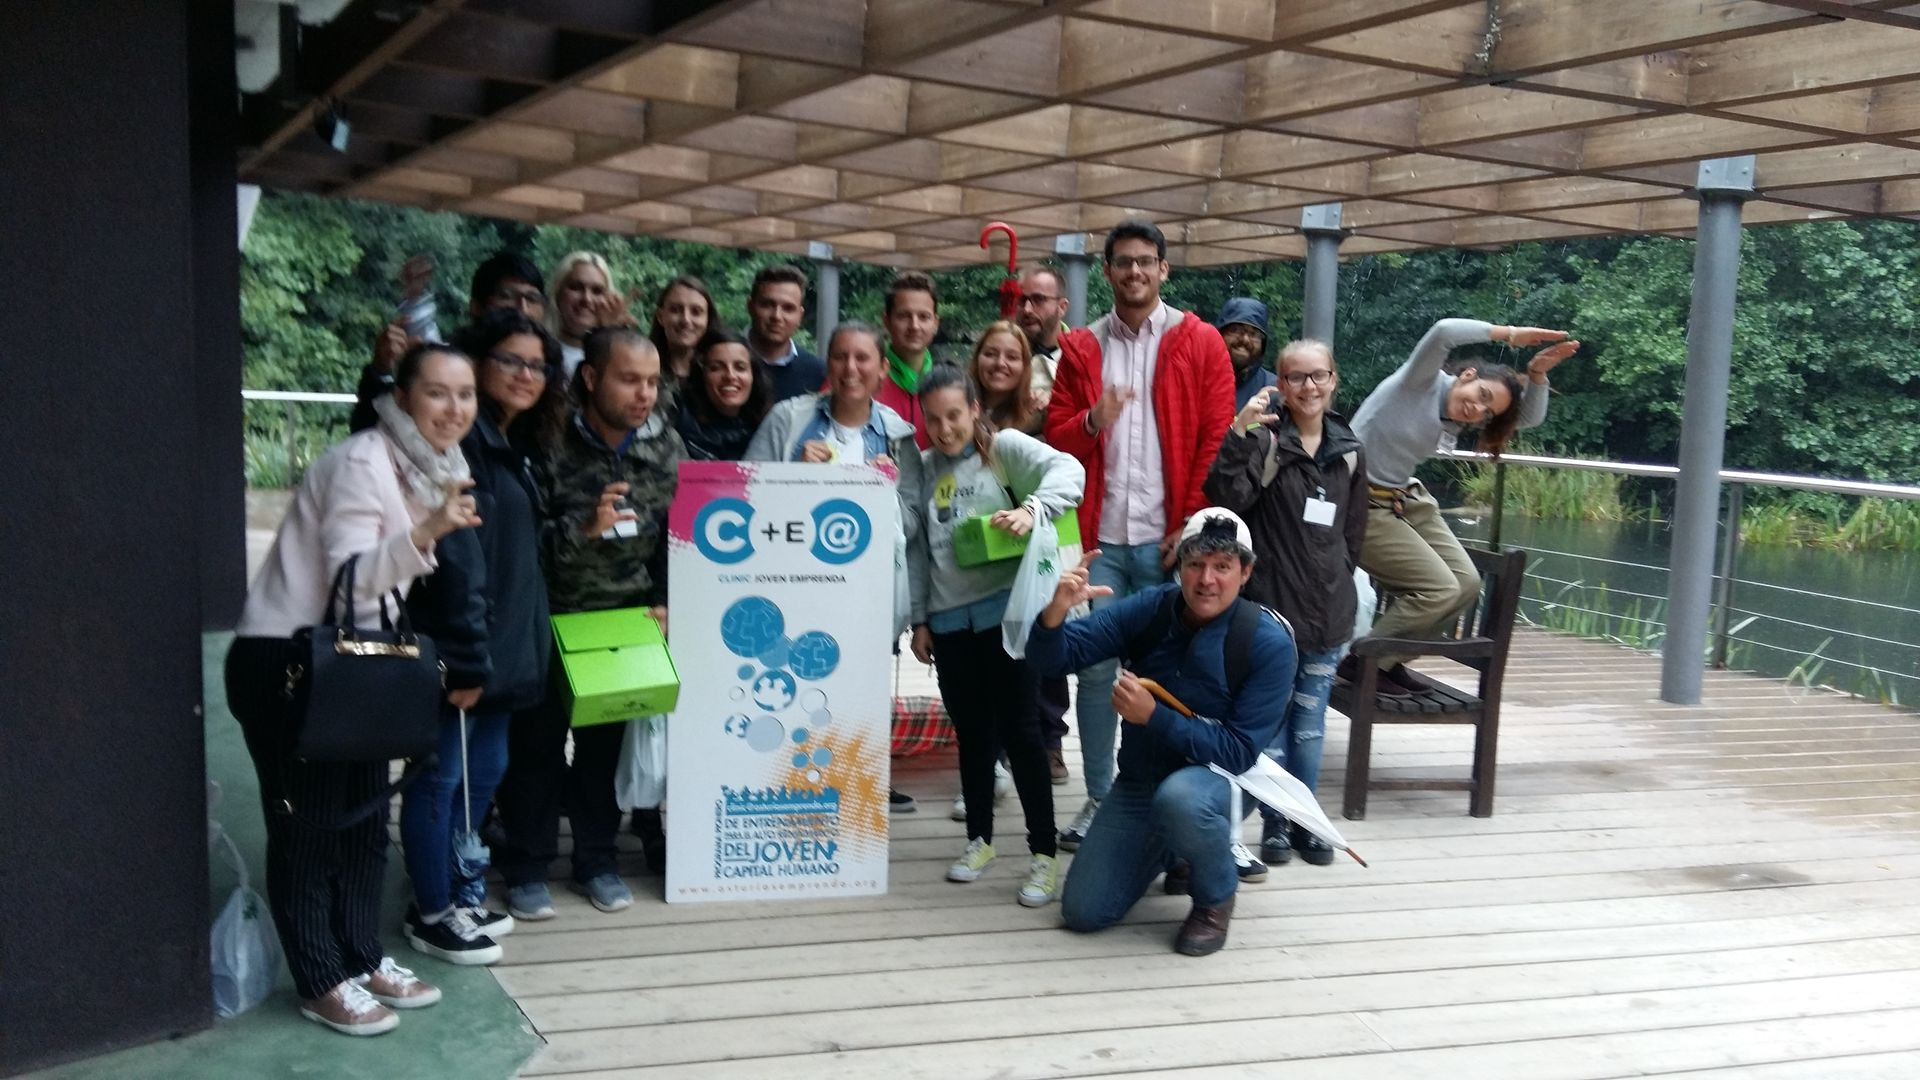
column 1416, row 559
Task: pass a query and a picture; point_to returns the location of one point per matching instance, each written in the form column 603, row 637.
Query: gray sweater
column 953, row 489
column 1401, row 423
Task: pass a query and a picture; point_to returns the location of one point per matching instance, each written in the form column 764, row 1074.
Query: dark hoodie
column 1245, row 309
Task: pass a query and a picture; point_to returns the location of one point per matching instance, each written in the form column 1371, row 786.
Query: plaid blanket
column 919, row 725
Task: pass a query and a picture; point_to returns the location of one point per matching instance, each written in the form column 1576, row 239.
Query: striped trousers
column 323, row 885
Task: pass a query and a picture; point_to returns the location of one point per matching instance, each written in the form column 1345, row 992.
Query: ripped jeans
column 1303, row 733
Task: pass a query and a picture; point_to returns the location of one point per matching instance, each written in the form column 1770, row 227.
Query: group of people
column 524, row 467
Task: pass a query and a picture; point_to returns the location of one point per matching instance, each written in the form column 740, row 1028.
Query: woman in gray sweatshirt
column 1012, row 479
column 1412, row 415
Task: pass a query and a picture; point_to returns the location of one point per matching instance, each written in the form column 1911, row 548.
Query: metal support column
column 1321, row 224
column 1723, row 185
column 1071, row 248
column 826, row 292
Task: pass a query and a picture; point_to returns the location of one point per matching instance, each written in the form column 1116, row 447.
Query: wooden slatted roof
column 894, row 129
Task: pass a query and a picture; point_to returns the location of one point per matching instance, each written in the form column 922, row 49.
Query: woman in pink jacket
column 386, row 495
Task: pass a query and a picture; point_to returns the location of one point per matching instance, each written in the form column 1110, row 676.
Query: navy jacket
column 1226, row 730
column 485, row 605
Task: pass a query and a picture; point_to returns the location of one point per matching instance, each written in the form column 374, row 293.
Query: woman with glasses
column 486, row 609
column 1413, row 414
column 1294, row 470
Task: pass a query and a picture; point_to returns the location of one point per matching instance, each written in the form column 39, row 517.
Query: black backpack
column 1245, row 625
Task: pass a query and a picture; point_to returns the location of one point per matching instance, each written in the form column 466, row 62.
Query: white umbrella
column 1272, row 785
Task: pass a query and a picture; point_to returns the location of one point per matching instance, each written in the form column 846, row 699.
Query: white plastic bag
column 1363, row 610
column 641, row 780
column 246, row 952
column 1033, row 586
column 902, row 588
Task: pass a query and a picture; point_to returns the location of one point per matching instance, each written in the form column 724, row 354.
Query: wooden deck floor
column 1720, row 891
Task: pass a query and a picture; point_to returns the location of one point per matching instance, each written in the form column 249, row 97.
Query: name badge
column 1319, row 511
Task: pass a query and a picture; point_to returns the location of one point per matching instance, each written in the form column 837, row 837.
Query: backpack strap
column 1270, row 465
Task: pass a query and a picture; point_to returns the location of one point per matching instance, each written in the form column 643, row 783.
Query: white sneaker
column 1002, row 782
column 1073, row 834
column 397, row 987
column 959, row 811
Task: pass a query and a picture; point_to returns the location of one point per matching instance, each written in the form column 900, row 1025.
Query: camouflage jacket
column 590, row 573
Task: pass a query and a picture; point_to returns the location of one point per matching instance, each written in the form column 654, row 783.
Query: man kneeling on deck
column 1230, row 663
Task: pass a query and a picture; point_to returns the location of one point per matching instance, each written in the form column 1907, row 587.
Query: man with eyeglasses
column 1243, row 326
column 1142, row 399
column 505, row 281
column 1041, row 317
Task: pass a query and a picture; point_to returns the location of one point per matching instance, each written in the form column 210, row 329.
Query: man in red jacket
column 1142, row 398
column 912, row 318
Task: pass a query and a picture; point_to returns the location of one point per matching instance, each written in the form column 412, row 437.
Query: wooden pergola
column 892, row 130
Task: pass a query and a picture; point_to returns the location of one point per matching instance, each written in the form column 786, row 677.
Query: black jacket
column 1303, row 571
column 485, row 605
column 725, row 439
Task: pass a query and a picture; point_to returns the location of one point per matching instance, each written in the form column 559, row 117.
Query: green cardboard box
column 976, row 543
column 616, row 665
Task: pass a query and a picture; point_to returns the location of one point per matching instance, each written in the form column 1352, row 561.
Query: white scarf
column 430, row 475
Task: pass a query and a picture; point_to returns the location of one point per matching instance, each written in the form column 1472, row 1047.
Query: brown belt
column 1396, row 498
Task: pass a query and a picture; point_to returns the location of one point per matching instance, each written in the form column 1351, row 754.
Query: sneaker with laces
column 1276, row 847
column 1249, row 868
column 1073, row 834
column 899, row 802
column 1043, row 881
column 453, row 938
column 959, row 811
column 606, row 892
column 350, row 1010
column 530, row 902
column 397, row 987
column 1002, row 782
column 1312, row 849
column 973, row 861
column 1057, row 766
column 494, row 924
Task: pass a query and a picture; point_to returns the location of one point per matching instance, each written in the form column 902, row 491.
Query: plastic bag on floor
column 1033, row 586
column 246, row 952
column 641, row 780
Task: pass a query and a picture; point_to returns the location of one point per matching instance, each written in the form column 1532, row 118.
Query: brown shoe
column 1057, row 765
column 1205, row 930
column 350, row 1010
column 398, row 988
column 1179, row 878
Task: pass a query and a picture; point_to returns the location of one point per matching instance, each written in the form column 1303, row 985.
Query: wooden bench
column 1481, row 640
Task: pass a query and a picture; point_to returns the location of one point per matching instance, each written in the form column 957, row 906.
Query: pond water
column 1840, row 618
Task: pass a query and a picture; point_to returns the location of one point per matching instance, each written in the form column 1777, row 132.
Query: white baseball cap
column 1218, row 518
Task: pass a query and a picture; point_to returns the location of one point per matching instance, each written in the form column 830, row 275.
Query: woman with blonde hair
column 1002, row 366
column 584, row 298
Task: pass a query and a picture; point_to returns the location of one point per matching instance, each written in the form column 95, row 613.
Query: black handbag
column 363, row 695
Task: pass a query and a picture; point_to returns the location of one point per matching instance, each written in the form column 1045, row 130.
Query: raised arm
column 1040, row 474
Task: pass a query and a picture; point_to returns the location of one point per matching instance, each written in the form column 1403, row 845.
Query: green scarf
column 905, row 377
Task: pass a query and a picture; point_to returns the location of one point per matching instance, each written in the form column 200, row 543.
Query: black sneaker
column 1249, row 868
column 1276, row 846
column 494, row 924
column 454, row 938
column 1312, row 849
column 899, row 802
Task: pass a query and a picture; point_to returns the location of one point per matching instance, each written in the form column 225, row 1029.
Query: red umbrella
column 1010, row 288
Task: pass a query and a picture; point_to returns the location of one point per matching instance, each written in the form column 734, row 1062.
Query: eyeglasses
column 1127, row 263
column 514, row 365
column 531, row 298
column 1298, row 379
column 1035, row 299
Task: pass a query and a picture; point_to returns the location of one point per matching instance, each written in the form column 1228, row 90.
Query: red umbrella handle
column 1010, row 288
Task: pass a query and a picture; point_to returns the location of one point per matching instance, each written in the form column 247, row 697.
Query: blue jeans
column 430, row 813
column 1303, row 731
column 1139, row 830
column 1126, row 569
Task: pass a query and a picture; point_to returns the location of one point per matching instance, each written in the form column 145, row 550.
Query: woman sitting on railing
column 1413, row 414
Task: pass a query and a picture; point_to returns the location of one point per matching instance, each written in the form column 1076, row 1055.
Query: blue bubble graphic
column 800, row 735
column 774, row 690
column 766, row 734
column 823, row 757
column 744, row 671
column 751, row 626
column 776, row 654
column 815, row 655
column 800, row 761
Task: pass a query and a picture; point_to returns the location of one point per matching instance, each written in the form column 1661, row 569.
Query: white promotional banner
column 780, row 589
